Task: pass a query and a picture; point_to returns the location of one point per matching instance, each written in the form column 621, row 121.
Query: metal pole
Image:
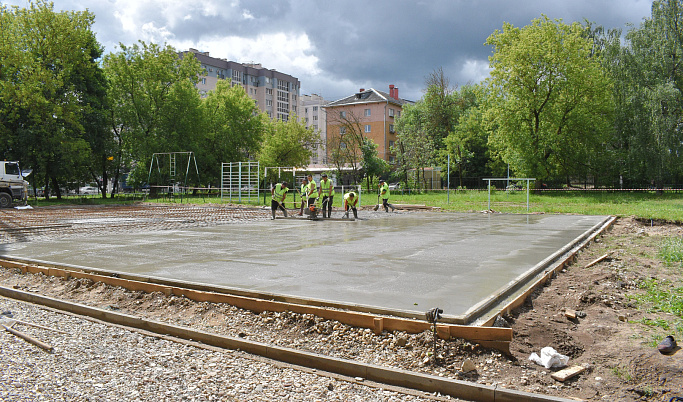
column 528, row 184
column 448, row 188
column 489, row 194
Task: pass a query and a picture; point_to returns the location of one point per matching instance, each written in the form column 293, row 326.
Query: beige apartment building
column 275, row 93
column 313, row 113
column 370, row 113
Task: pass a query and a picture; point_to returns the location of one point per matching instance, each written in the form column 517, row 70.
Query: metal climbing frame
column 240, row 180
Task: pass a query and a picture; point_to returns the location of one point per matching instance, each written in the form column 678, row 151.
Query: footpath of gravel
column 97, row 361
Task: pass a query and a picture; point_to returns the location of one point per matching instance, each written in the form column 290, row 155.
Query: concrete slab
column 409, row 262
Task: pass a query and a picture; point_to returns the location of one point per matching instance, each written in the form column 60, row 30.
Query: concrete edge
column 398, row 377
column 550, row 263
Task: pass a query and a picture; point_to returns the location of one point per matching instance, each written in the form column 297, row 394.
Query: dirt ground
column 611, row 339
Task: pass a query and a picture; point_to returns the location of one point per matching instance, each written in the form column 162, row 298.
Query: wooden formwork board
column 354, row 369
column 497, row 338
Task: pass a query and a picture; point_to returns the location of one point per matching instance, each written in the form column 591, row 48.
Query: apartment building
column 370, row 113
column 275, row 93
column 313, row 113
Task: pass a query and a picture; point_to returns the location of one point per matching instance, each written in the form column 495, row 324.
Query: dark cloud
column 369, row 43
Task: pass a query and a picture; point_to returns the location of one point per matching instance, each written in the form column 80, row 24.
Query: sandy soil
column 611, row 339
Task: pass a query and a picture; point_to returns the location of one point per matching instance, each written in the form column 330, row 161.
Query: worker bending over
column 326, row 192
column 384, row 193
column 278, row 195
column 350, row 201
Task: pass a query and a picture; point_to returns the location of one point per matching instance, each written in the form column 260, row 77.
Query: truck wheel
column 5, row 200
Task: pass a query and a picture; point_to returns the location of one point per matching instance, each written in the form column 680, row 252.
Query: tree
column 345, row 147
column 649, row 91
column 466, row 143
column 372, row 164
column 50, row 86
column 551, row 105
column 233, row 128
column 416, row 147
column 287, row 143
column 155, row 104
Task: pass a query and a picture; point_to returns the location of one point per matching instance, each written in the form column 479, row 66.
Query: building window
column 315, row 108
column 315, row 117
column 204, row 81
column 367, row 128
column 392, row 159
column 391, row 128
column 391, row 112
column 305, row 110
column 269, row 91
column 342, row 145
column 342, row 114
column 367, row 112
column 391, row 144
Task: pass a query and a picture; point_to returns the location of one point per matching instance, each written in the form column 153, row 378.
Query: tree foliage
column 551, row 105
column 287, row 143
column 51, row 91
column 155, row 105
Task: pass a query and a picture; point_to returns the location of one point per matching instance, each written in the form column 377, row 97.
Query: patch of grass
column 622, row 373
column 671, row 251
column 661, row 296
column 659, row 323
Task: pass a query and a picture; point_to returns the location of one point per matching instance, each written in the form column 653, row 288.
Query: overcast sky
column 336, row 47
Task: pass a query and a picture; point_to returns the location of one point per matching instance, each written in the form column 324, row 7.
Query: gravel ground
column 97, row 361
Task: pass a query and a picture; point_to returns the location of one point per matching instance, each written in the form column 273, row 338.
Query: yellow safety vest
column 384, row 191
column 351, row 201
column 279, row 193
column 326, row 187
column 312, row 189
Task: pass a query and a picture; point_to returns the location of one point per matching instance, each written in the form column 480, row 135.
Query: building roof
column 368, row 96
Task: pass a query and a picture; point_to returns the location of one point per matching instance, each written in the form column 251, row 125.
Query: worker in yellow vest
column 304, row 199
column 350, row 201
column 384, row 194
column 278, row 195
column 326, row 193
column 312, row 191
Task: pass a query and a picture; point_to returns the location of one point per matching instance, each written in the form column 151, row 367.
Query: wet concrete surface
column 409, row 262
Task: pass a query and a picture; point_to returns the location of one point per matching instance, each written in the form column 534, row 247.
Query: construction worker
column 304, row 200
column 312, row 191
column 384, row 194
column 278, row 194
column 326, row 193
column 350, row 201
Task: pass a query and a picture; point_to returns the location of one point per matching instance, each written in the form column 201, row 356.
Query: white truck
column 13, row 187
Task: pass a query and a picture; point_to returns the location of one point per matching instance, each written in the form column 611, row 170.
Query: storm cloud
column 335, row 48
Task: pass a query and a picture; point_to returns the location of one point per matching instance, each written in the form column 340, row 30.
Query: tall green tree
column 551, row 105
column 649, row 91
column 233, row 128
column 287, row 143
column 155, row 106
column 49, row 84
column 417, row 147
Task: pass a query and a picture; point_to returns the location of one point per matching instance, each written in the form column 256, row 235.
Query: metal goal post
column 528, row 182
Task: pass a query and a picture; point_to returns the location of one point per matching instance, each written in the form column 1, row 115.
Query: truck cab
column 13, row 187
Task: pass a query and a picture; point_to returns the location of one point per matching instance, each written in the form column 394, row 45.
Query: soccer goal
column 509, row 179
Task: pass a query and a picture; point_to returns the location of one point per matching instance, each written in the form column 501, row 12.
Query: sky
column 337, row 47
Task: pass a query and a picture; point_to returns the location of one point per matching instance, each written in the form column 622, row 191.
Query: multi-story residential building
column 314, row 116
column 275, row 93
column 369, row 113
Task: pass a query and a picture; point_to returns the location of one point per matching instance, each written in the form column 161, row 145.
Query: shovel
column 7, row 324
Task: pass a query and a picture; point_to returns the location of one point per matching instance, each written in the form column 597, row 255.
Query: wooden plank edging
column 398, row 377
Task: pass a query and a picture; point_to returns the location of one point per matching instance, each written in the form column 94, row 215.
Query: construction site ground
column 611, row 339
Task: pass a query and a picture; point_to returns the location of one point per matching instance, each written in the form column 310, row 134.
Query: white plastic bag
column 549, row 358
